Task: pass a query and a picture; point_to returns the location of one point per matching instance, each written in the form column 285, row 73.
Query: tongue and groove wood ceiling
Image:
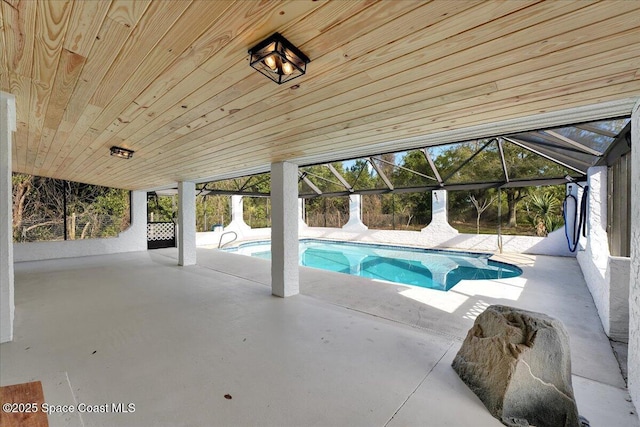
column 171, row 80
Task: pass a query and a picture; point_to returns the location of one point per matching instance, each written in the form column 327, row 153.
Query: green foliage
column 91, row 211
column 544, row 212
column 415, row 204
column 37, row 208
column 257, row 212
column 20, row 178
column 212, row 210
column 467, row 162
column 161, row 208
column 327, row 211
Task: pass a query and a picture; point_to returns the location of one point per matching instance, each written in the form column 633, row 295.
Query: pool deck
column 137, row 328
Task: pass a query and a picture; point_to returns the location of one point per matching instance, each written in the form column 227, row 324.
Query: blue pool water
column 428, row 268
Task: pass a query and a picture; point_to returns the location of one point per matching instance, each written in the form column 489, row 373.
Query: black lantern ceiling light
column 123, row 153
column 278, row 59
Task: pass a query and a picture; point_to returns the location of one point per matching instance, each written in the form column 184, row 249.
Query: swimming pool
column 427, row 268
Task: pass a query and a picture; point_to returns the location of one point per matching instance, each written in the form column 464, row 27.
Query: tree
column 468, row 162
column 212, row 210
column 256, row 209
column 161, row 208
column 39, row 209
column 94, row 211
column 514, row 196
column 481, row 206
column 416, row 204
column 22, row 185
column 486, row 166
column 544, row 212
column 523, row 164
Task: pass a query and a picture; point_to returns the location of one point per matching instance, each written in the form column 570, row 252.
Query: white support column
column 237, row 223
column 634, row 290
column 186, row 223
column 7, row 127
column 138, row 228
column 284, row 229
column 439, row 222
column 302, row 225
column 355, row 221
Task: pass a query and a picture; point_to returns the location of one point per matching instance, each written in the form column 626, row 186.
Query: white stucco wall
column 633, row 362
column 438, row 234
column 7, row 127
column 355, row 206
column 607, row 277
column 595, row 277
column 132, row 239
column 609, row 288
column 439, row 225
column 212, row 238
column 237, row 223
column 617, row 276
column 554, row 244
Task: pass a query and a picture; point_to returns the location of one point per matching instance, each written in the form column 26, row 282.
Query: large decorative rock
column 518, row 363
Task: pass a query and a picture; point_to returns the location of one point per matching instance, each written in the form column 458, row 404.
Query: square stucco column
column 237, row 216
column 355, row 221
column 634, row 290
column 186, row 223
column 439, row 225
column 284, row 229
column 7, row 127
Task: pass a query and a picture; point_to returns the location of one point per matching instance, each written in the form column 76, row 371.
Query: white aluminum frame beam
column 381, row 174
column 340, row 177
column 594, row 129
column 573, row 143
column 541, row 154
column 7, row 304
column 432, row 165
column 303, row 176
column 403, row 168
column 504, row 163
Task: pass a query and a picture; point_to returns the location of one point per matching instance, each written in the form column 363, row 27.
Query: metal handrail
column 220, row 245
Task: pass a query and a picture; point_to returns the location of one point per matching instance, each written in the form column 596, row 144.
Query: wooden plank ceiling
column 171, row 79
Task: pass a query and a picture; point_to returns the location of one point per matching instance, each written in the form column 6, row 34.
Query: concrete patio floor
column 137, row 328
